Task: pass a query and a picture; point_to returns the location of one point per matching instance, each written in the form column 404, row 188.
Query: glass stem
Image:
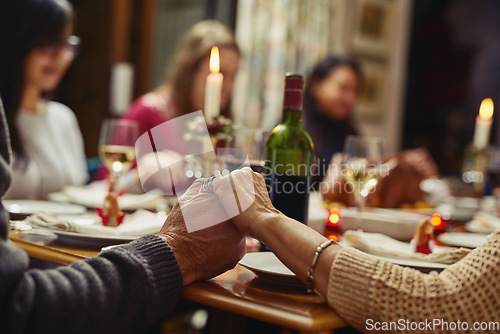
column 112, row 179
column 360, row 203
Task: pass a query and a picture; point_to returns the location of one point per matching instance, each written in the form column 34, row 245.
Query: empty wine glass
column 117, row 146
column 250, row 143
column 362, row 167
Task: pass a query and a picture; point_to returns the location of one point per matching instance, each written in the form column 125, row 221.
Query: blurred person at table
column 364, row 290
column 183, row 91
column 399, row 184
column 331, row 92
column 37, row 49
column 124, row 289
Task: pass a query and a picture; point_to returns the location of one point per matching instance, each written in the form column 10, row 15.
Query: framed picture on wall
column 372, row 27
column 371, row 103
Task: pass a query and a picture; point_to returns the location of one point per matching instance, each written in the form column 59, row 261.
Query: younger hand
column 259, row 211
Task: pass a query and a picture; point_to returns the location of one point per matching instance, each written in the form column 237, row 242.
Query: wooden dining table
column 238, row 292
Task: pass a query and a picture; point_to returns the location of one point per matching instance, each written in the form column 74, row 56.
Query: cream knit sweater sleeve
column 364, row 290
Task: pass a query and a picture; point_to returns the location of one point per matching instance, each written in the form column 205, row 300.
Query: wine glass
column 117, row 146
column 251, row 143
column 362, row 167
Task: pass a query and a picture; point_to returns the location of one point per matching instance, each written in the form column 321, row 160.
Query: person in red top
column 183, row 91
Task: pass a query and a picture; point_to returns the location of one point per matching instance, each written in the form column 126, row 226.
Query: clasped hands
column 213, row 250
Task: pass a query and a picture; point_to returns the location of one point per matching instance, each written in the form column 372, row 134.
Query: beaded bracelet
column 310, row 278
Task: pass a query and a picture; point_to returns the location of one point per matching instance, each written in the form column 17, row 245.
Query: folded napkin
column 486, row 221
column 92, row 196
column 383, row 245
column 139, row 223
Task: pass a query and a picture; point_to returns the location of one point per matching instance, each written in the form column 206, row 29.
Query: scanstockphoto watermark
column 359, row 177
column 333, row 169
column 431, row 325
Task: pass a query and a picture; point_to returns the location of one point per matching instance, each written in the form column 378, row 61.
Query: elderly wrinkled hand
column 204, row 253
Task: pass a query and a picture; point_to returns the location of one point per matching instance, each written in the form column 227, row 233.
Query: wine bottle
column 289, row 155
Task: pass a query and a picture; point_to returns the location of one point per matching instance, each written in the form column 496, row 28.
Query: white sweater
column 54, row 146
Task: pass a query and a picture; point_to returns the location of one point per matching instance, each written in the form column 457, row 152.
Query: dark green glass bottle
column 289, row 155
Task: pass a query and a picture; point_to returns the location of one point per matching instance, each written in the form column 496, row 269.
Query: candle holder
column 220, row 134
column 474, row 168
column 220, row 130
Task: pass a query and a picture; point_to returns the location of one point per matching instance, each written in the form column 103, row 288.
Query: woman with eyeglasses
column 37, row 49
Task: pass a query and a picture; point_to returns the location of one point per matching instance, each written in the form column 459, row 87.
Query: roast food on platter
column 398, row 184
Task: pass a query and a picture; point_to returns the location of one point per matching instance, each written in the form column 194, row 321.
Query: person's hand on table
column 205, row 253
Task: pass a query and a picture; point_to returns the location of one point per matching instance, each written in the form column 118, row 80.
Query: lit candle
column 213, row 86
column 483, row 124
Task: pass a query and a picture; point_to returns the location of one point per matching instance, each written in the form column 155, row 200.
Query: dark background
column 454, row 63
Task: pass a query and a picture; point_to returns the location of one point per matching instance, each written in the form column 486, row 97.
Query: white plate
column 19, row 209
column 460, row 208
column 396, row 223
column 267, row 266
column 469, row 240
column 88, row 240
column 92, row 196
column 420, row 265
column 424, row 266
column 40, row 237
column 474, row 227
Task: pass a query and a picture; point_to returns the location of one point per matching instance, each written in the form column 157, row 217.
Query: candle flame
column 486, row 109
column 333, row 237
column 214, row 60
column 436, row 219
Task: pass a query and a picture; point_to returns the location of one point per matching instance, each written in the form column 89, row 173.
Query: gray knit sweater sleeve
column 122, row 290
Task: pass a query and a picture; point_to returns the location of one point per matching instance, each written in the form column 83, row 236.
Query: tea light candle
column 483, row 124
column 213, row 86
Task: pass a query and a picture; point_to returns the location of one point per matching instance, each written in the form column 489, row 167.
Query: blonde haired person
column 184, row 89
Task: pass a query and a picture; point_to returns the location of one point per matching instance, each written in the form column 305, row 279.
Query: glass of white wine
column 117, row 145
column 362, row 166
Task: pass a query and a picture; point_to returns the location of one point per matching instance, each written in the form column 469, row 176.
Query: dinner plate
column 460, row 208
column 424, row 266
column 474, row 227
column 416, row 264
column 92, row 196
column 36, row 236
column 397, row 224
column 88, row 240
column 19, row 209
column 144, row 222
column 459, row 239
column 267, row 266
